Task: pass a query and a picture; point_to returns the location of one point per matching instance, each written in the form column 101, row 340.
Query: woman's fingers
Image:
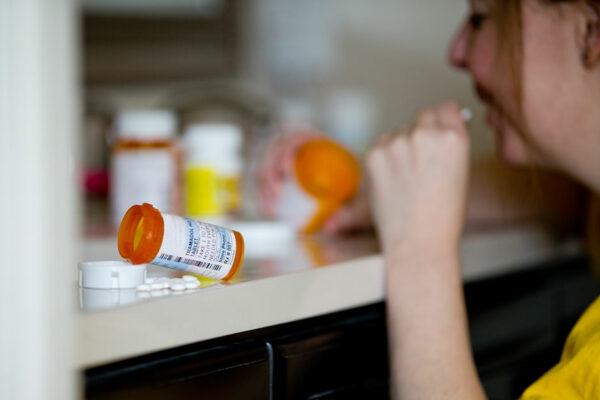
column 427, row 118
column 269, row 176
column 449, row 116
column 418, row 178
column 382, row 139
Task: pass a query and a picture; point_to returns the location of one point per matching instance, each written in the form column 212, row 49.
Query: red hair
column 509, row 17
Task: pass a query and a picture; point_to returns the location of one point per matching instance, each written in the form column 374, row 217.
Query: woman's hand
column 419, row 179
column 419, row 183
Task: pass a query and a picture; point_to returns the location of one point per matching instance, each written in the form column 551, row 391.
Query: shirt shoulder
column 577, row 375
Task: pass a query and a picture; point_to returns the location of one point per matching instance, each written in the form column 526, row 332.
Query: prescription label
column 196, row 247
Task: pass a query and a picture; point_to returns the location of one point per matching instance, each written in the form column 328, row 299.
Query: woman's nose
column 458, row 49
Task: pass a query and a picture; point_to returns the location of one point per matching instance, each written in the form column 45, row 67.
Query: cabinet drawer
column 343, row 361
column 228, row 372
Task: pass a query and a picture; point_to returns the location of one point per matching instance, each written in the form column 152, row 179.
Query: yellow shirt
column 577, row 375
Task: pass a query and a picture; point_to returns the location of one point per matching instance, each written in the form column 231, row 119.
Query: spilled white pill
column 178, row 287
column 143, row 287
column 189, row 278
column 192, row 285
column 466, row 114
column 163, row 281
column 157, row 285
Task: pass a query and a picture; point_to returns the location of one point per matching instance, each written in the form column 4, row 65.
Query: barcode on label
column 201, row 264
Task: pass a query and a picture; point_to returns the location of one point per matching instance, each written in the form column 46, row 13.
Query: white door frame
column 39, row 122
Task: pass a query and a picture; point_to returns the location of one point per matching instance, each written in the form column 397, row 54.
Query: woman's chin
column 509, row 157
column 510, row 151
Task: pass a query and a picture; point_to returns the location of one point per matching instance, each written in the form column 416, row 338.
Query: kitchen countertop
column 293, row 279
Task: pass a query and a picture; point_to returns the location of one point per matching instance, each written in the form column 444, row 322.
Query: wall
column 395, row 49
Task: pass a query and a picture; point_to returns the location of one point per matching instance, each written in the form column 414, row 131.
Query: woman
column 542, row 90
column 536, row 65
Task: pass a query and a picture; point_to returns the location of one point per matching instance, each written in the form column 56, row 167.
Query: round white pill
column 164, row 281
column 466, row 114
column 189, row 278
column 176, row 281
column 157, row 285
column 192, row 285
column 150, row 280
column 143, row 287
column 178, row 287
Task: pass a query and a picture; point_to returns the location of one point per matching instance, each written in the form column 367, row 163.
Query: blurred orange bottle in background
column 324, row 177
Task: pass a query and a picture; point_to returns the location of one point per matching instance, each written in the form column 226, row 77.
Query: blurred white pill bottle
column 145, row 162
column 213, row 169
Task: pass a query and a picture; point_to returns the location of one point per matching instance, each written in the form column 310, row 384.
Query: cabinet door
column 349, row 362
column 226, row 372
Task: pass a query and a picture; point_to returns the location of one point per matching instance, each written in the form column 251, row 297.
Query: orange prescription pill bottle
column 324, row 177
column 148, row 236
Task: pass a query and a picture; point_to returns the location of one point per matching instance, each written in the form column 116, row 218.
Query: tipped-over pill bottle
column 148, row 236
column 324, row 177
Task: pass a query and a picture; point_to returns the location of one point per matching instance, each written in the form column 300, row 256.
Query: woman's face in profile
column 537, row 127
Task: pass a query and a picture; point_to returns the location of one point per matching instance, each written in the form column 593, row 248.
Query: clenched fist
column 419, row 179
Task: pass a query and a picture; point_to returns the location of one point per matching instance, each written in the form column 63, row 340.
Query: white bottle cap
column 215, row 144
column 111, row 275
column 351, row 117
column 295, row 115
column 146, row 124
column 203, row 136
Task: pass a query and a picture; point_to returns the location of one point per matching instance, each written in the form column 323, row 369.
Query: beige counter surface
column 303, row 278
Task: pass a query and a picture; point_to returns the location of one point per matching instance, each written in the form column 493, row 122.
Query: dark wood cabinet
column 220, row 372
column 339, row 362
column 518, row 325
